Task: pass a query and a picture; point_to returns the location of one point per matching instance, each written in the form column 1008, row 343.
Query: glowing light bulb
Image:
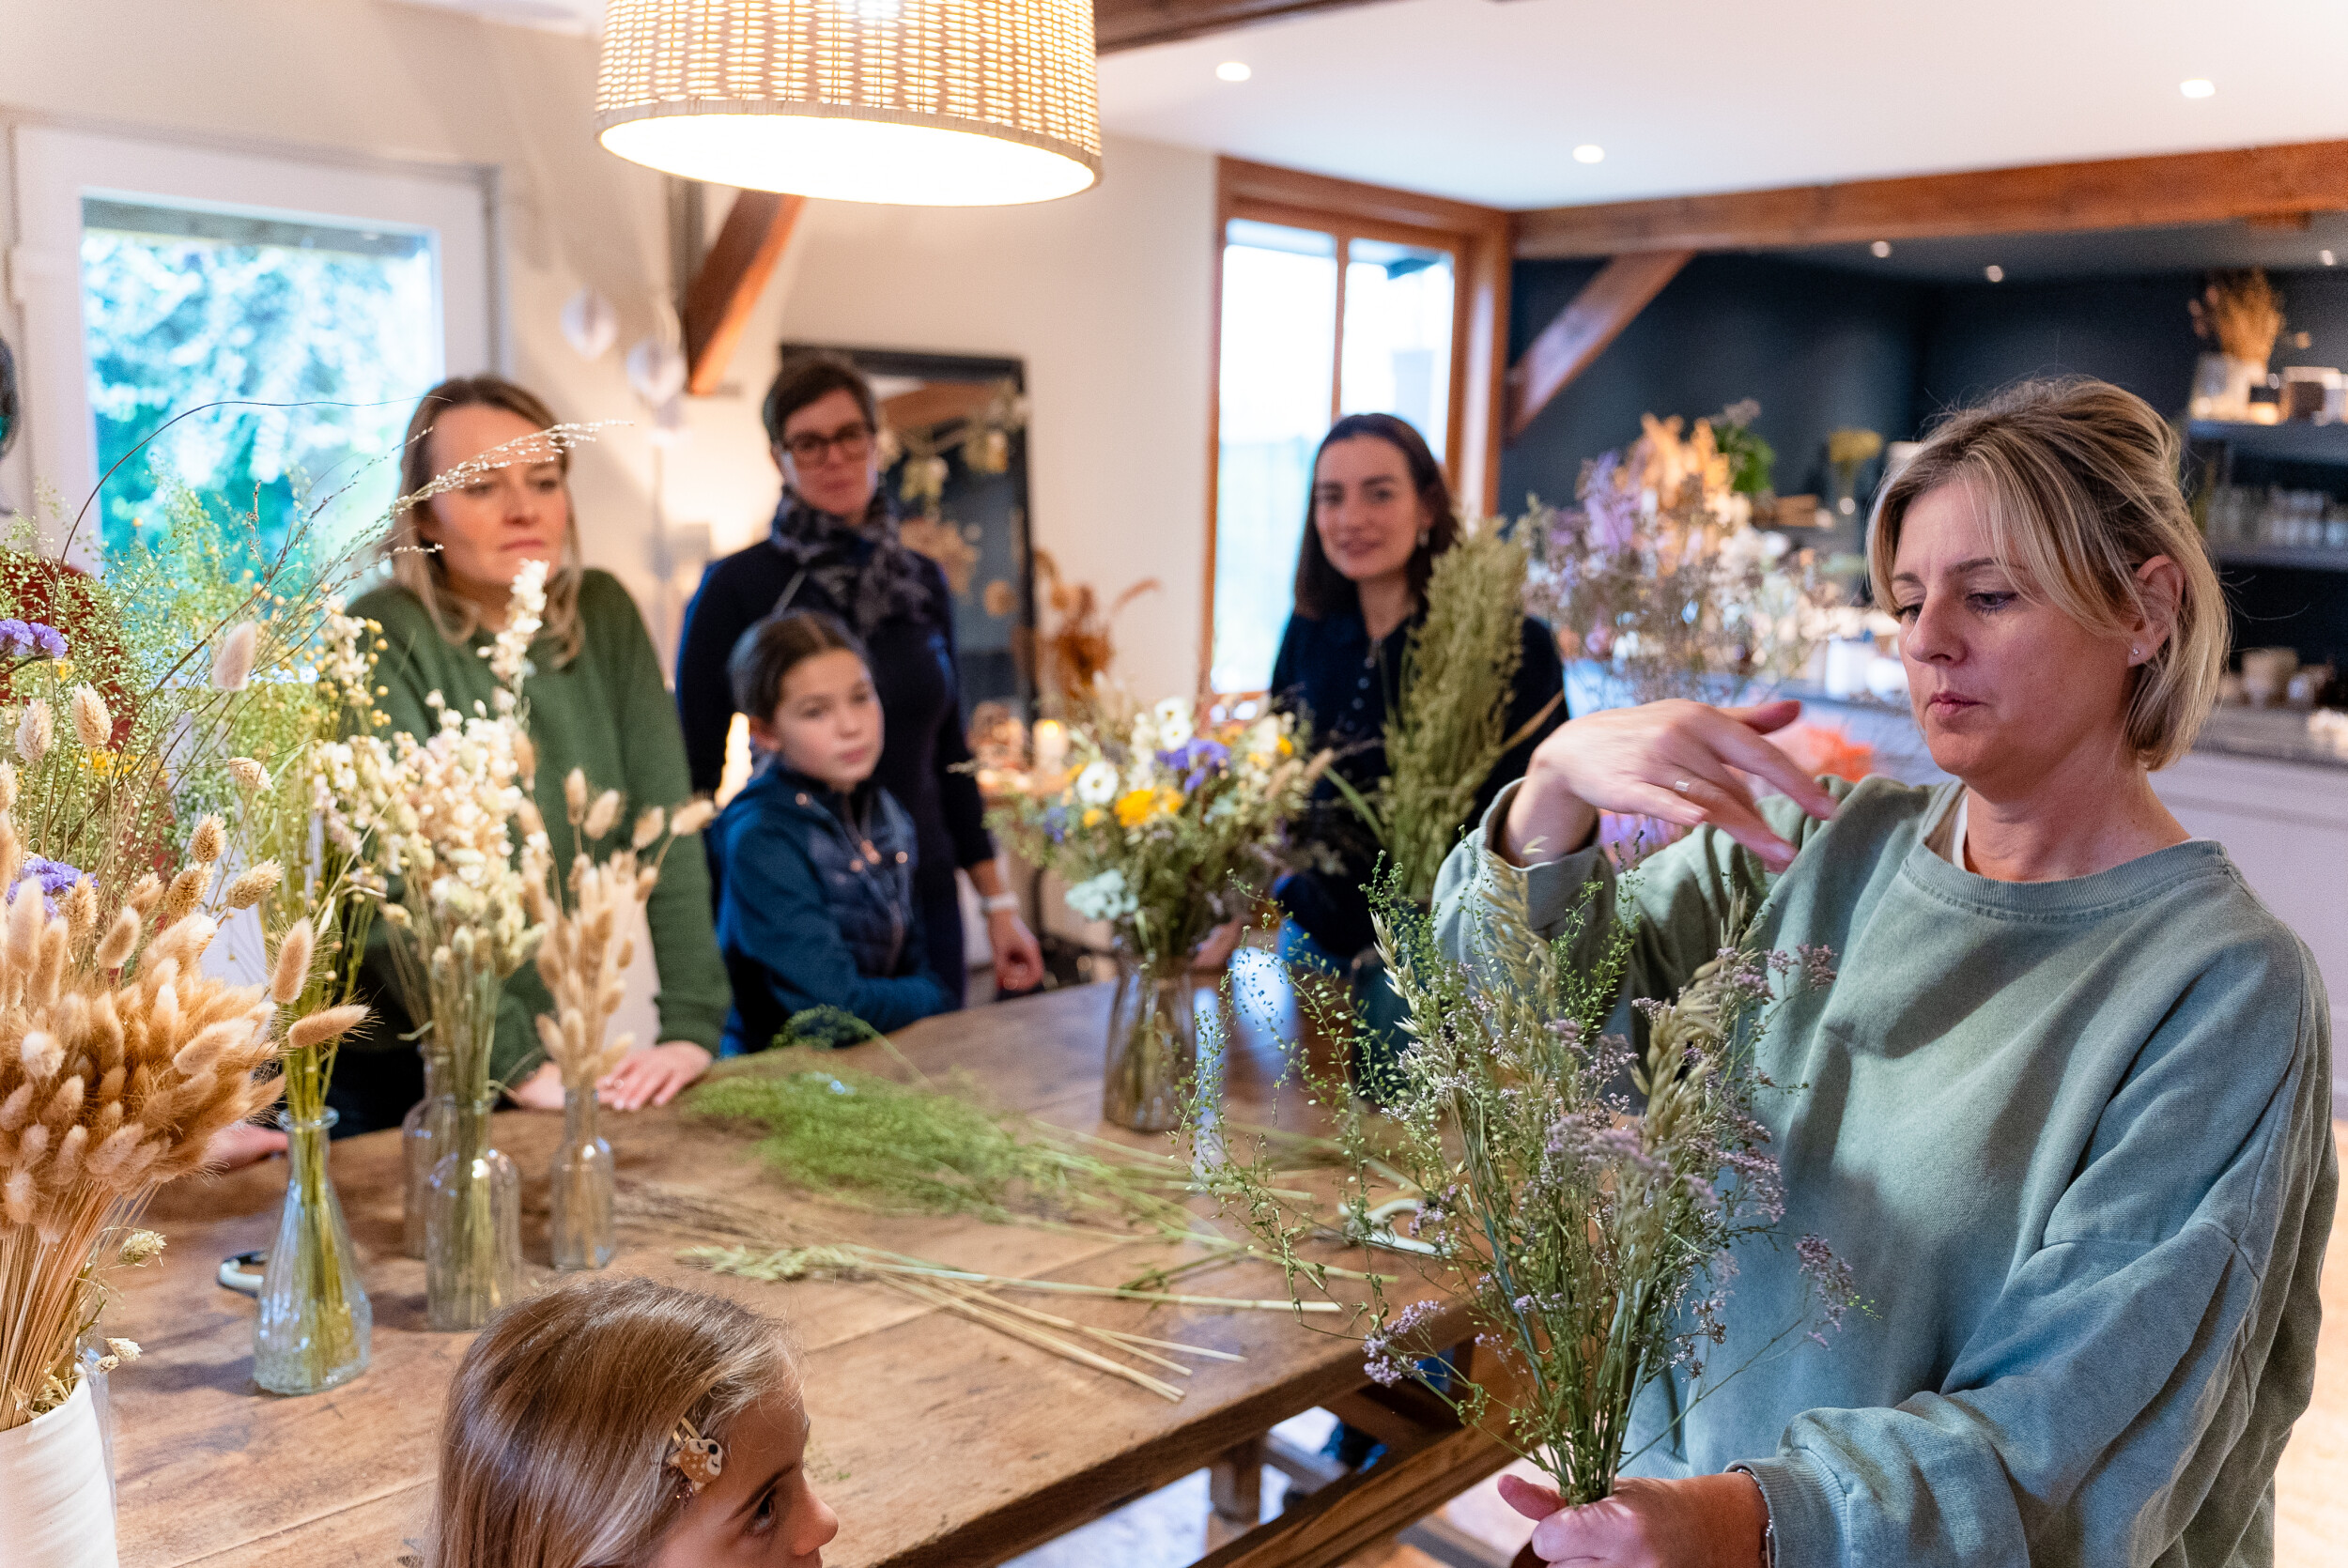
column 1881, row 248
column 1994, row 272
column 1233, row 70
column 2197, row 86
column 1589, row 152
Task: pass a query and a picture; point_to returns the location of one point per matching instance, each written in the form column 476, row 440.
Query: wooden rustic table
column 939, row 1442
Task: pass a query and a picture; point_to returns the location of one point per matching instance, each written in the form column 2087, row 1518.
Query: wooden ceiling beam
column 1591, row 320
column 2120, row 192
column 725, row 289
column 1136, row 24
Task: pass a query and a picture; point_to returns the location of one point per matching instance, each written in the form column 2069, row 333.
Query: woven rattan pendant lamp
column 925, row 103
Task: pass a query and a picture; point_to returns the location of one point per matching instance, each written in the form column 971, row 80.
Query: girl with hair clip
column 622, row 1423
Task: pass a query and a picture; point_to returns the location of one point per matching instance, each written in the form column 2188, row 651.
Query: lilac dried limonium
column 1578, row 1195
column 21, row 641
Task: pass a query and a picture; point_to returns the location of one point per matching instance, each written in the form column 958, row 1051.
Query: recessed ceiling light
column 2328, row 258
column 1881, row 247
column 1233, row 70
column 2197, row 86
column 1588, row 152
column 1994, row 272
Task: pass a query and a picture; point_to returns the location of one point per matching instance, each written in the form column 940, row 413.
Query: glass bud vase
column 422, row 1133
column 472, row 1243
column 1153, row 1045
column 580, row 1198
column 316, row 1326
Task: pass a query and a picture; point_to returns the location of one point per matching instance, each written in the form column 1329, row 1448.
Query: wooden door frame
column 1481, row 241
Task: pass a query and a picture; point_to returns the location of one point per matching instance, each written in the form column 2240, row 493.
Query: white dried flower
column 602, row 815
column 648, row 828
column 690, row 818
column 250, row 775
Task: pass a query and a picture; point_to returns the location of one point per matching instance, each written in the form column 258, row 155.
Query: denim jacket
column 815, row 907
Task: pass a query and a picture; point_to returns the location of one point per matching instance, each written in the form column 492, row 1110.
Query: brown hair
column 419, row 569
column 2078, row 481
column 763, row 657
column 806, row 377
column 1321, row 590
column 555, row 1438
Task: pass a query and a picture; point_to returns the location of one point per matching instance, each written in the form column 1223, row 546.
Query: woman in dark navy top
column 834, row 548
column 1380, row 513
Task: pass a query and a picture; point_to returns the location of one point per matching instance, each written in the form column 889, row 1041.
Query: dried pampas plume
column 93, row 726
column 575, row 795
column 254, row 885
column 326, row 1025
column 291, row 975
column 232, row 666
column 36, row 732
column 250, row 775
column 691, row 818
column 208, row 840
column 602, row 815
column 648, row 827
column 116, row 1067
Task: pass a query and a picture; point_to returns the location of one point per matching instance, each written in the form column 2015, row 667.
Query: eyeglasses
column 852, row 441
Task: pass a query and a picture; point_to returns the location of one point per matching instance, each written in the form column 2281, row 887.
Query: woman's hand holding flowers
column 1677, row 761
column 1706, row 1521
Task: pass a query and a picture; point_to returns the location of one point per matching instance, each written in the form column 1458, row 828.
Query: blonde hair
column 2077, row 481
column 421, row 570
column 555, row 1439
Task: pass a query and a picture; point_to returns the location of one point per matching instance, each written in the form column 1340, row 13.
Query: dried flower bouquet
column 1659, row 572
column 583, row 958
column 1583, row 1236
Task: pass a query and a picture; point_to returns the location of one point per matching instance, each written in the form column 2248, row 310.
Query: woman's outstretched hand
column 1674, row 761
column 1706, row 1521
column 652, row 1075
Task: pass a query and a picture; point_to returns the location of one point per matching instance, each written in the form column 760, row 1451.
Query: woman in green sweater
column 596, row 702
column 2065, row 1110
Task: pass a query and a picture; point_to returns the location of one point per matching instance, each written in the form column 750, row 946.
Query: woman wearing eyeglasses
column 834, row 548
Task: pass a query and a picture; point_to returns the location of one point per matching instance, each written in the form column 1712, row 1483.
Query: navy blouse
column 1328, row 671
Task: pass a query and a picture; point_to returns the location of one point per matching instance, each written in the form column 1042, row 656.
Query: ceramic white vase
column 55, row 1492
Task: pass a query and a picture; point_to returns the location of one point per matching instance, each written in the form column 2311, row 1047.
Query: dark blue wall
column 1823, row 347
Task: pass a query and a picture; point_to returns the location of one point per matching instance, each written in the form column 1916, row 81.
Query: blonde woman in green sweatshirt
column 597, row 702
column 2065, row 1112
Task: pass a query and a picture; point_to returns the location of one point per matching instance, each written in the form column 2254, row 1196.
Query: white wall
column 1105, row 296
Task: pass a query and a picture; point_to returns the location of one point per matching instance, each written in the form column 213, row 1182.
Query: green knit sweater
column 608, row 713
column 2072, row 1137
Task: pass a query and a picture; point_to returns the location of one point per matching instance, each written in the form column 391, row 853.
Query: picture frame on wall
column 954, row 464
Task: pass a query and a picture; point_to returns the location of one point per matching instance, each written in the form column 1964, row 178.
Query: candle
column 1051, row 744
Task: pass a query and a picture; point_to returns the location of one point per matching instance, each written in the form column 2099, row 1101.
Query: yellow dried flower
column 140, row 1248
column 209, row 838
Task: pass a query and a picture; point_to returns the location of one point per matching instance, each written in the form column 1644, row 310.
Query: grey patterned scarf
column 863, row 568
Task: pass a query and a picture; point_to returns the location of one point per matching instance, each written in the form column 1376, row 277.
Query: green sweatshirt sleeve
column 2111, row 1392
column 1680, row 897
column 694, row 994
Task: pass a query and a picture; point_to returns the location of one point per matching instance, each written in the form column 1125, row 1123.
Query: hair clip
column 697, row 1458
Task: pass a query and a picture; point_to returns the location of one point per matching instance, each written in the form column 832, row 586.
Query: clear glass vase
column 580, row 1198
column 472, row 1243
column 1153, row 1045
column 422, row 1133
column 316, row 1326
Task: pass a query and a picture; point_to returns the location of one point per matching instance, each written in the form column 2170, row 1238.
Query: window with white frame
column 275, row 319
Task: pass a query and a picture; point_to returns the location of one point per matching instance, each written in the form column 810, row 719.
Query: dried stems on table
column 1575, row 1227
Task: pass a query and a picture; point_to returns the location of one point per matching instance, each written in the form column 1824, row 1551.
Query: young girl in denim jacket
column 815, row 904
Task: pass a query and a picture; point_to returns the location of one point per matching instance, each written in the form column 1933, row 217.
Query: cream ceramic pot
column 54, row 1493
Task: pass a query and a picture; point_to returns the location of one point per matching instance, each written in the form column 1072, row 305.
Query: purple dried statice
column 52, row 877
